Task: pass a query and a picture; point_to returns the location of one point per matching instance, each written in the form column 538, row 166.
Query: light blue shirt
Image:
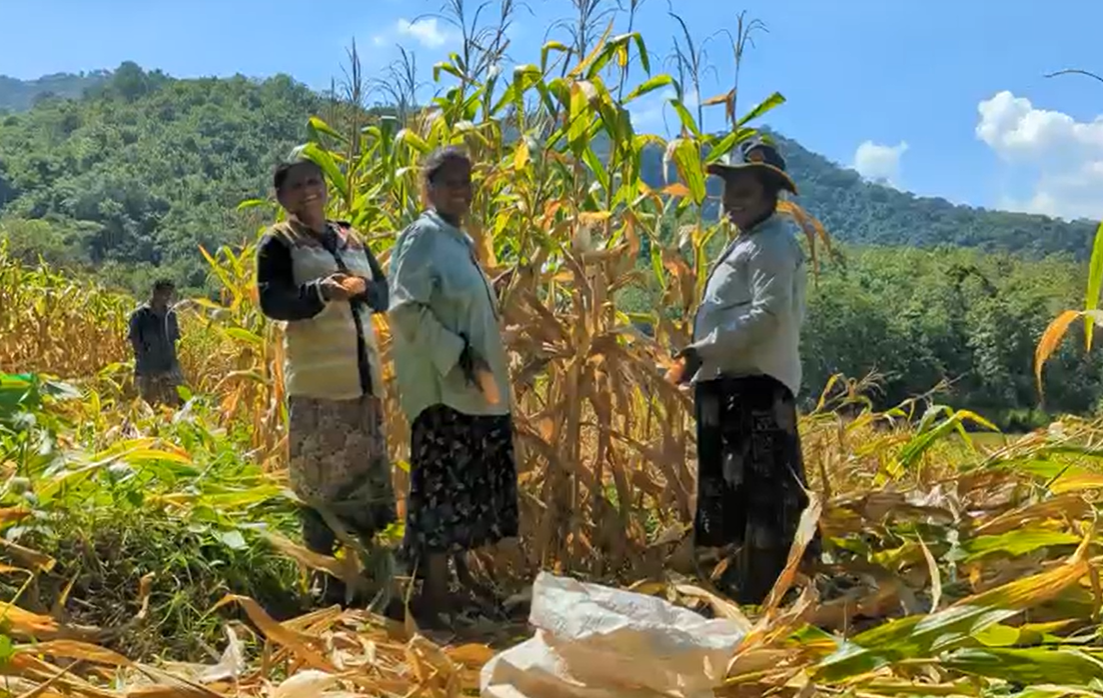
column 438, row 291
column 749, row 320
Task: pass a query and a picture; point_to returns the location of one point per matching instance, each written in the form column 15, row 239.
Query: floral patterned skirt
column 463, row 482
column 750, row 478
column 339, row 461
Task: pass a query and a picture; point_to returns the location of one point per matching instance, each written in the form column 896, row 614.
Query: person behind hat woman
column 745, row 365
column 453, row 379
column 153, row 333
column 320, row 278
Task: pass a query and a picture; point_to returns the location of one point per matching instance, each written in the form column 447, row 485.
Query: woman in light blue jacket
column 745, row 364
column 453, row 377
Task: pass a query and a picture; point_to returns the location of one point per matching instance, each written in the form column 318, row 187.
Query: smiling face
column 746, row 200
column 303, row 193
column 450, row 190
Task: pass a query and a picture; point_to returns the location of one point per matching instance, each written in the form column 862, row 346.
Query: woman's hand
column 687, row 363
column 478, row 374
column 355, row 285
column 342, row 287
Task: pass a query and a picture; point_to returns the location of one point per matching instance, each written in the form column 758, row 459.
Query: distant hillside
column 132, row 177
column 20, row 95
column 859, row 212
column 143, row 167
column 864, row 213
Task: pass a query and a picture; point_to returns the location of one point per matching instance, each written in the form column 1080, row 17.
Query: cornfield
column 955, row 566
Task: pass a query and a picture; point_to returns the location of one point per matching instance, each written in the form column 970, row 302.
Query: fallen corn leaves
column 326, row 653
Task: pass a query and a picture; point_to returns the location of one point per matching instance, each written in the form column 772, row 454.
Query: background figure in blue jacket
column 154, row 332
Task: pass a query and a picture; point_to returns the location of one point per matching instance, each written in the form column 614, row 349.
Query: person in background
column 453, row 379
column 154, row 332
column 745, row 364
column 320, row 278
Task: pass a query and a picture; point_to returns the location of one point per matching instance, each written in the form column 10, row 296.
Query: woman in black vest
column 317, row 276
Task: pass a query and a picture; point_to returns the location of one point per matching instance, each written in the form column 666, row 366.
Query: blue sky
column 940, row 98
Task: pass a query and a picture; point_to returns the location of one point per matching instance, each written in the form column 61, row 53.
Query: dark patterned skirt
column 750, row 478
column 339, row 461
column 463, row 482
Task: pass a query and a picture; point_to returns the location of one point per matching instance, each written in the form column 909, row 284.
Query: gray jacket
column 154, row 336
column 749, row 320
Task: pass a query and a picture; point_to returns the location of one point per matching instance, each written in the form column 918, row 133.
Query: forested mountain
column 144, row 167
column 135, row 175
column 19, row 95
column 860, row 212
column 132, row 176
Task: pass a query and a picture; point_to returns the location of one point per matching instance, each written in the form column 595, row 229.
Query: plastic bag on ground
column 598, row 642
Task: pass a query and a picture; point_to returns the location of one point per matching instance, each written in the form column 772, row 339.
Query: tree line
column 129, row 179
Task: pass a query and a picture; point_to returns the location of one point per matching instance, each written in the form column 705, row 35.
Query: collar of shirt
column 447, row 227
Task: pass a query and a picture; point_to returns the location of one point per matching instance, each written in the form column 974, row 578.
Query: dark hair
column 161, row 285
column 441, row 157
column 279, row 177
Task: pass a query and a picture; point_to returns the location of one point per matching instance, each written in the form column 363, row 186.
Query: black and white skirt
column 463, row 482
column 750, row 478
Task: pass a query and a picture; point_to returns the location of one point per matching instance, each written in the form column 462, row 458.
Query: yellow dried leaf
column 302, row 645
column 74, row 649
column 521, row 155
column 24, row 623
column 28, row 558
column 676, row 189
column 1051, row 339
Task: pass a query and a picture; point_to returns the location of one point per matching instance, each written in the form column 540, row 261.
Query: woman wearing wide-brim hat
column 744, row 364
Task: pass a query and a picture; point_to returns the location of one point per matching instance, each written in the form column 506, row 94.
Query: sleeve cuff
column 318, row 292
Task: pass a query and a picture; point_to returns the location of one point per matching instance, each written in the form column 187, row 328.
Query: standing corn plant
column 560, row 215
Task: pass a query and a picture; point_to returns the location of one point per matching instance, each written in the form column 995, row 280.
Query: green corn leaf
column 649, row 86
column 687, row 160
column 596, row 166
column 1017, row 542
column 689, row 124
column 317, row 126
column 724, row 146
column 446, row 67
column 251, row 203
column 1027, row 666
column 412, row 139
column 582, row 93
column 550, row 46
column 324, row 159
column 774, row 100
column 657, row 265
column 641, row 46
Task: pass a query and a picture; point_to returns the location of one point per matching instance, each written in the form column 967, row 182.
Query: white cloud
column 880, row 163
column 426, row 31
column 1065, row 155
